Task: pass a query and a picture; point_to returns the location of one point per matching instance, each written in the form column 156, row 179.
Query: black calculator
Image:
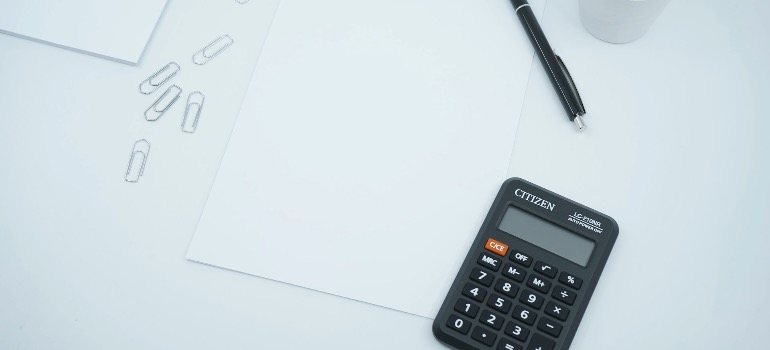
column 529, row 275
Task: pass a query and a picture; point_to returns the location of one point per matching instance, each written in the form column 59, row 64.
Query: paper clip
column 162, row 104
column 160, row 77
column 194, row 108
column 141, row 149
column 213, row 49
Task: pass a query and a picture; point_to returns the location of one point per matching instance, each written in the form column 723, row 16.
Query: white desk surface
column 675, row 152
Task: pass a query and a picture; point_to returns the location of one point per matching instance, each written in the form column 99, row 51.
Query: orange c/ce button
column 496, row 247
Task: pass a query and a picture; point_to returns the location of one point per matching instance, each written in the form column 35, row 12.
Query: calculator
column 529, row 275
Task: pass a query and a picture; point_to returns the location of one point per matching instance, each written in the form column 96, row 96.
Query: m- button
column 496, row 247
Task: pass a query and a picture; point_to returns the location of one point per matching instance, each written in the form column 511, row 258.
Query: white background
column 114, row 30
column 674, row 152
column 365, row 146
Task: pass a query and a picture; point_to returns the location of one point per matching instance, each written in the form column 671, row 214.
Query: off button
column 496, row 247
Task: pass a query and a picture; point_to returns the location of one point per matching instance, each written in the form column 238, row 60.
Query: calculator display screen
column 546, row 235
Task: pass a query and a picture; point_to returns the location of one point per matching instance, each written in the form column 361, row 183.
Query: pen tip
column 581, row 125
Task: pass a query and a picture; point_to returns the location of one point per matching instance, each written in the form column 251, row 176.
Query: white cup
column 619, row 21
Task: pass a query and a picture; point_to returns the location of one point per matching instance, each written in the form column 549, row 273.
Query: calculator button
column 507, row 288
column 524, row 315
column 521, row 258
column 458, row 324
column 539, row 283
column 517, row 330
column 491, row 319
column 496, row 247
column 490, row 262
column 556, row 310
column 506, row 344
column 515, row 273
column 529, row 298
column 474, row 292
column 499, row 303
column 570, row 280
column 481, row 276
column 545, row 269
column 484, row 336
column 466, row 308
column 540, row 342
column 549, row 326
column 562, row 294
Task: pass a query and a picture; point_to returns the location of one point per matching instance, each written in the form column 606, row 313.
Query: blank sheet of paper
column 371, row 143
column 116, row 30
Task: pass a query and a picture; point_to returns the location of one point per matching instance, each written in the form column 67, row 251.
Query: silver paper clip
column 213, row 49
column 160, row 77
column 141, row 151
column 193, row 109
column 163, row 103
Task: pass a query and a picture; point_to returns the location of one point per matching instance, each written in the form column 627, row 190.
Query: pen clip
column 571, row 85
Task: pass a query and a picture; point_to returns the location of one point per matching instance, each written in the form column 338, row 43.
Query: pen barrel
column 554, row 68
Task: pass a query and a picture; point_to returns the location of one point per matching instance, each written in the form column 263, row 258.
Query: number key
column 517, row 330
column 474, row 292
column 466, row 308
column 482, row 276
column 529, row 297
column 524, row 315
column 500, row 304
column 507, row 288
column 458, row 324
column 492, row 320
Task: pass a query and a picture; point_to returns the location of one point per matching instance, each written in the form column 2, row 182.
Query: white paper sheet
column 370, row 145
column 116, row 30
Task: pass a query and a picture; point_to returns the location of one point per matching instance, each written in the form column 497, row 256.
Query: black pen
column 554, row 67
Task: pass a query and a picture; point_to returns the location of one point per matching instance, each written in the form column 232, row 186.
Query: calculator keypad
column 466, row 308
column 529, row 297
column 545, row 269
column 499, row 303
column 491, row 319
column 564, row 295
column 560, row 312
column 484, row 336
column 514, row 272
column 517, row 330
column 506, row 288
column 474, row 292
column 489, row 261
column 521, row 258
column 539, row 283
column 483, row 277
column 515, row 305
column 570, row 280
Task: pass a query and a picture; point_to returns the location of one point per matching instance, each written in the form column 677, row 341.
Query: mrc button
column 489, row 261
column 496, row 247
